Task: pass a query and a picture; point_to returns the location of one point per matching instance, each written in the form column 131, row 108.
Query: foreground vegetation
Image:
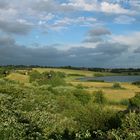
column 49, row 104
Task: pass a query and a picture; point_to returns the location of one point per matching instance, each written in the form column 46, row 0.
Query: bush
column 134, row 103
column 51, row 78
column 98, row 75
column 124, row 102
column 137, row 83
column 93, row 117
column 91, row 80
column 129, row 129
column 75, row 74
column 83, row 96
column 80, row 86
column 34, row 75
column 116, row 86
column 99, row 97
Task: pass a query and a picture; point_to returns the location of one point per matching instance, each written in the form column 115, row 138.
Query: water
column 112, row 78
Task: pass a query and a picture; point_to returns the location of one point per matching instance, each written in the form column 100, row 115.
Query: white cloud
column 123, row 19
column 47, row 16
column 132, row 39
column 10, row 13
column 80, row 21
column 113, row 8
column 135, row 5
column 40, row 12
column 82, row 5
column 94, row 5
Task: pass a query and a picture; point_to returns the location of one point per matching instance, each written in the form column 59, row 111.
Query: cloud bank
column 89, row 33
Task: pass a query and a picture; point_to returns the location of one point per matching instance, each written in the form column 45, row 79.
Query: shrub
column 124, row 102
column 56, row 79
column 34, row 75
column 129, row 129
column 83, row 96
column 93, row 117
column 134, row 103
column 80, row 86
column 116, row 86
column 98, row 75
column 91, row 80
column 99, row 97
column 136, row 83
column 65, row 135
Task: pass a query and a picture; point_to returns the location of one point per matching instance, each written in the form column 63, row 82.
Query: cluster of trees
column 129, row 71
column 137, row 83
column 50, row 109
column 4, row 71
column 48, row 78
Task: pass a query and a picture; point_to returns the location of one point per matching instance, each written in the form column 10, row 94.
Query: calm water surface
column 113, row 78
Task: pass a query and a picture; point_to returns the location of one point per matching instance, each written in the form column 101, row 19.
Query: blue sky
column 91, row 33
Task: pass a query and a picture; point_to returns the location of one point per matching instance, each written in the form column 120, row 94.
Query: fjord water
column 112, row 78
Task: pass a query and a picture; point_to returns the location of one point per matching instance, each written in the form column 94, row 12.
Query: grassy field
column 69, row 71
column 18, row 77
column 113, row 95
column 72, row 75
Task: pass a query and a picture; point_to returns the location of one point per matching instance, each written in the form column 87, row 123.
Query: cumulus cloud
column 94, row 5
column 99, row 32
column 113, row 8
column 123, row 19
column 80, row 21
column 131, row 39
column 16, row 27
column 112, row 49
column 137, row 50
column 44, row 5
column 6, row 41
column 3, row 4
column 40, row 12
column 12, row 53
column 100, row 48
column 96, row 35
column 135, row 5
column 102, row 55
column 92, row 40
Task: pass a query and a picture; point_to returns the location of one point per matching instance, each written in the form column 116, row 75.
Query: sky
column 81, row 33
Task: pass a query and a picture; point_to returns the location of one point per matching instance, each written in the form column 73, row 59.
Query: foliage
column 99, row 97
column 137, row 83
column 135, row 102
column 82, row 95
column 95, row 80
column 49, row 109
column 116, row 86
column 34, row 75
column 80, row 86
column 94, row 117
column 129, row 130
column 51, row 78
column 75, row 74
column 124, row 102
column 98, row 74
